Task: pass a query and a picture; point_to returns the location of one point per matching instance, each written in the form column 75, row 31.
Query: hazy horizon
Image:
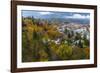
column 71, row 16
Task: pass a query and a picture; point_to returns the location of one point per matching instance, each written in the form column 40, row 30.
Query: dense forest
column 44, row 40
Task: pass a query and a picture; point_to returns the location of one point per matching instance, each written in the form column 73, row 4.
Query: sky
column 52, row 14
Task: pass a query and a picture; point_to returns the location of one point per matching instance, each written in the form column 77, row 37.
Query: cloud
column 78, row 16
column 45, row 13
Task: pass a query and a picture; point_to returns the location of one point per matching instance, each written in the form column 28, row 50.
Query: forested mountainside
column 54, row 40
